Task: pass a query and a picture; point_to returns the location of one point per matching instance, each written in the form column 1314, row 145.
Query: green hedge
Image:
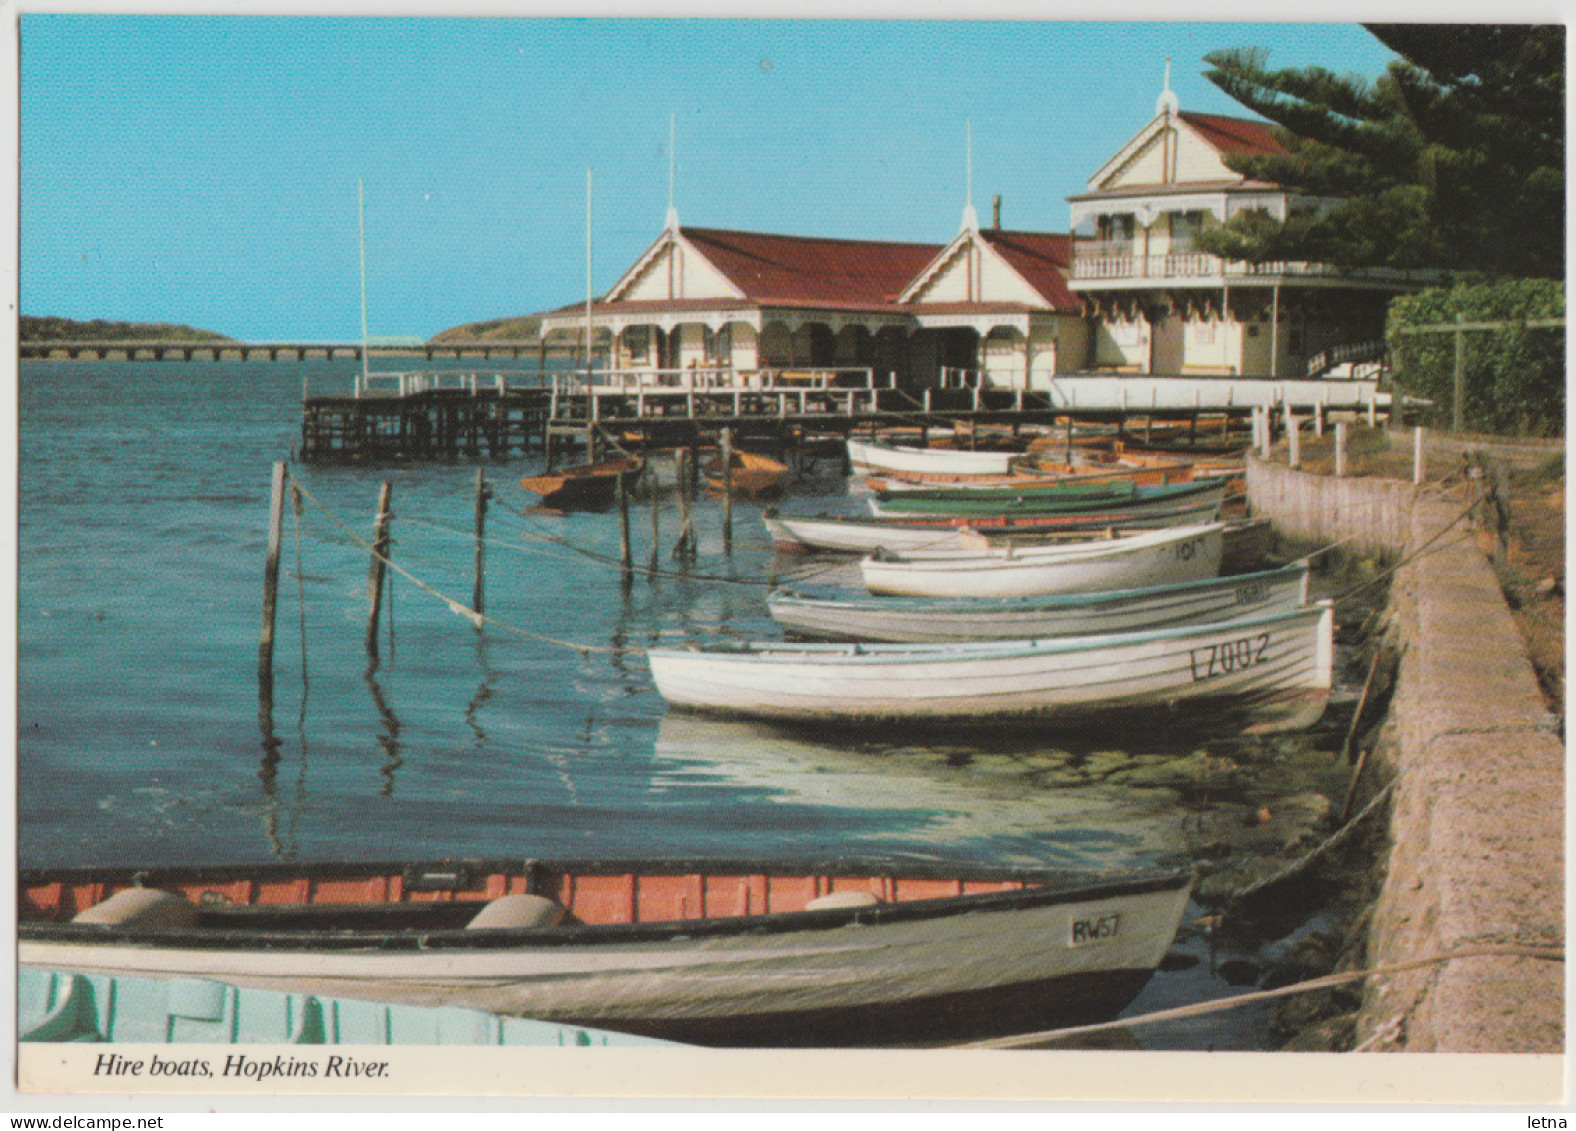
column 1514, row 377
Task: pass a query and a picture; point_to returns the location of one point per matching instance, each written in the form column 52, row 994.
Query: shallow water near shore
column 144, row 491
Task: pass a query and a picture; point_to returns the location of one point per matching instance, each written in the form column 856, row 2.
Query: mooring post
column 1417, row 455
column 683, row 548
column 265, row 646
column 483, row 493
column 1069, row 441
column 1373, row 407
column 1266, row 432
column 1293, row 440
column 927, row 399
column 380, row 549
column 625, row 557
column 656, row 533
column 1340, row 449
column 1318, row 417
column 727, row 491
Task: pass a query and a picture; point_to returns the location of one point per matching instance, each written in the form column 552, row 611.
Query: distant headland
column 33, row 328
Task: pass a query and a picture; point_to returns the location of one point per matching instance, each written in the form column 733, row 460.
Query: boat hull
column 920, row 620
column 943, row 461
column 1161, row 557
column 587, row 487
column 1012, row 958
column 1095, row 502
column 863, row 534
column 1274, row 670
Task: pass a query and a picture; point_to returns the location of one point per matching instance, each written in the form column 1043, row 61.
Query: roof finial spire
column 672, row 223
column 971, row 220
column 1167, row 103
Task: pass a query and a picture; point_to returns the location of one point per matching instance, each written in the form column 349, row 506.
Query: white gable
column 947, row 278
column 672, row 269
column 1142, row 160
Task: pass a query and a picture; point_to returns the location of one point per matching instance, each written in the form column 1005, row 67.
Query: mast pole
column 588, row 278
column 361, row 226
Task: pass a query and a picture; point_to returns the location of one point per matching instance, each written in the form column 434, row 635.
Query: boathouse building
column 1127, row 290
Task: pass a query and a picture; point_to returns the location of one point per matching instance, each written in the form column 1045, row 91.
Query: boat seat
column 514, row 912
column 142, row 907
column 838, row 900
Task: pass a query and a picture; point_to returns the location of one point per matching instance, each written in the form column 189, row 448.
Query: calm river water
column 143, row 513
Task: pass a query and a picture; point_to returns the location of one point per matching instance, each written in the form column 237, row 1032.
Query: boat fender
column 515, row 912
column 843, row 899
column 141, row 907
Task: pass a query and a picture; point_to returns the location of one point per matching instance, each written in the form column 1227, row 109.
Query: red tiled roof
column 805, row 271
column 1234, row 136
column 1043, row 259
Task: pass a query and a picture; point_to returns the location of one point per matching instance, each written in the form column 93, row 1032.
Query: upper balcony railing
column 1198, row 265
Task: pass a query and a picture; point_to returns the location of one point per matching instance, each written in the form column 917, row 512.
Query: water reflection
column 388, row 738
column 1025, row 803
column 484, row 691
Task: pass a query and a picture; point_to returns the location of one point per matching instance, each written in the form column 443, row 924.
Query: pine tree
column 1454, row 158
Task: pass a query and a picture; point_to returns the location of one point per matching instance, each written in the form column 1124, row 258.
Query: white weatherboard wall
column 1136, row 393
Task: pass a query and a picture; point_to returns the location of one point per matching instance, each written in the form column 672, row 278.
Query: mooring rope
column 456, row 607
column 1328, row 981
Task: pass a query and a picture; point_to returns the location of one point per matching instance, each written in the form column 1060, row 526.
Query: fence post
column 1459, row 384
column 1340, row 449
column 1418, row 468
column 1266, row 433
column 1293, row 440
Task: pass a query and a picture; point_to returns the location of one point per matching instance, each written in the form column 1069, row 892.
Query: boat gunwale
column 900, row 653
column 969, row 557
column 898, row 603
column 1057, row 886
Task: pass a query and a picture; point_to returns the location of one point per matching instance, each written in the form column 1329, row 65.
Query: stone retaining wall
column 1477, row 827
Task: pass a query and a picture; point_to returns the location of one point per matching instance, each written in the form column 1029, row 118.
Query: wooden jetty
column 227, row 350
column 496, row 414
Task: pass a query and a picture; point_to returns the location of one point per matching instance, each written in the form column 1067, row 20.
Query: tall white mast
column 971, row 220
column 588, row 276
column 361, row 225
column 673, row 213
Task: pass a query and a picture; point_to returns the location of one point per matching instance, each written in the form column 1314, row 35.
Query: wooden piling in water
column 624, row 554
column 375, row 569
column 265, row 646
column 656, row 533
column 727, row 490
column 684, row 548
column 483, row 493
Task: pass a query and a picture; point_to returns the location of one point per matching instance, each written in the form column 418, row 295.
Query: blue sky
column 202, row 169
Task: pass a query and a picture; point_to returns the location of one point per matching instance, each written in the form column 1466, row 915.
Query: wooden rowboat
column 1042, row 474
column 864, row 534
column 1273, row 672
column 867, row 456
column 63, row 1006
column 589, row 486
column 1123, row 500
column 753, row 475
column 927, row 620
column 707, row 952
column 1159, row 557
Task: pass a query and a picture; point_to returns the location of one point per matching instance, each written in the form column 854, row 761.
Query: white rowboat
column 1158, row 557
column 926, row 620
column 1275, row 670
column 866, row 456
column 711, row 952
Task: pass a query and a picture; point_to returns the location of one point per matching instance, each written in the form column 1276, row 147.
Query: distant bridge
column 176, row 350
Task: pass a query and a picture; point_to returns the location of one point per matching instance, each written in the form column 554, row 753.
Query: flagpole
column 361, row 225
